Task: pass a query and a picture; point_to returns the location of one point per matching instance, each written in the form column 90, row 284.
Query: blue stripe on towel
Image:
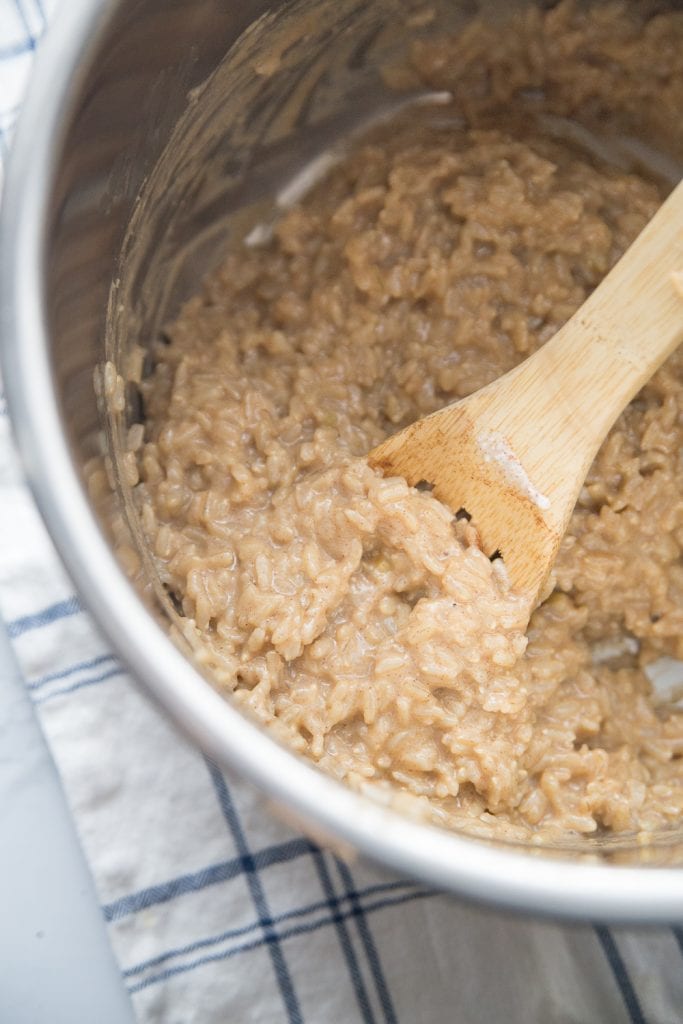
column 270, row 936
column 621, row 975
column 369, row 945
column 80, row 666
column 45, row 617
column 194, row 881
column 296, row 930
column 337, row 915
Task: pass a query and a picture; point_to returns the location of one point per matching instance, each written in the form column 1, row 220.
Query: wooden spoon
column 515, row 454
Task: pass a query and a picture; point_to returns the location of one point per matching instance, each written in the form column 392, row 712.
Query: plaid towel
column 216, row 912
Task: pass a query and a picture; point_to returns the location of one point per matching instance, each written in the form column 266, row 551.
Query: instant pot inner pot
column 232, row 129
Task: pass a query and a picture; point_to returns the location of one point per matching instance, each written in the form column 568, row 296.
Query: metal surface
column 110, row 85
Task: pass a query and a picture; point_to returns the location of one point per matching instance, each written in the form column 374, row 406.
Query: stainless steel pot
column 147, row 124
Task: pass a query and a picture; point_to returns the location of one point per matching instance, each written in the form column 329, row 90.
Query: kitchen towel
column 219, row 914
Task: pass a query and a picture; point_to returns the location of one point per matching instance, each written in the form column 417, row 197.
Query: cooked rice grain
column 350, row 613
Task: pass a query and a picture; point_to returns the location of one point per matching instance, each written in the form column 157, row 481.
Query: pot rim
column 335, row 815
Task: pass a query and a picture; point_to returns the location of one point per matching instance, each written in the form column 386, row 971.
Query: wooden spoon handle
column 628, row 326
column 515, row 454
column 556, row 408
